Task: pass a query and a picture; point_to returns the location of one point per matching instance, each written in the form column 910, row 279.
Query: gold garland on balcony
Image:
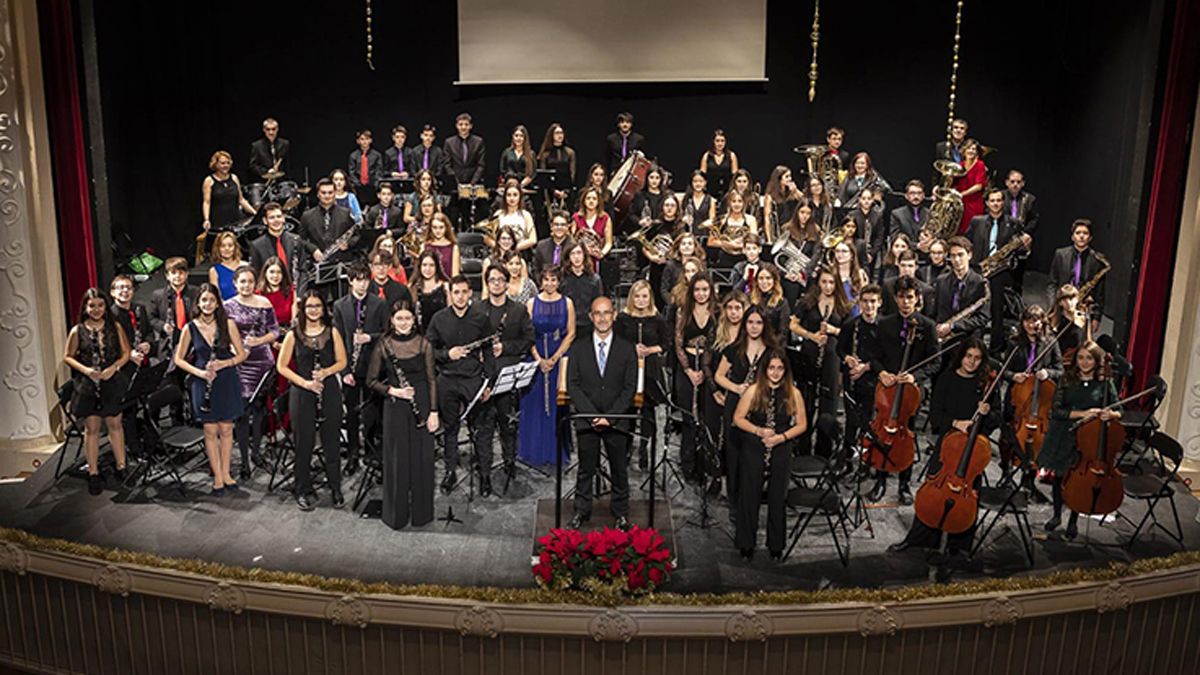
column 524, row 596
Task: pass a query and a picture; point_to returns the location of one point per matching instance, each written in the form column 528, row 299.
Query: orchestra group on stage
column 812, row 317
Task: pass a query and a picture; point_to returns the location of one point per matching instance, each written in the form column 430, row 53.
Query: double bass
column 891, row 446
column 1094, row 485
column 947, row 501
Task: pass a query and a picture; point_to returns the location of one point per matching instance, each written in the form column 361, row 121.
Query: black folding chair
column 822, row 498
column 168, row 449
column 1140, row 424
column 1152, row 488
column 996, row 502
column 72, row 427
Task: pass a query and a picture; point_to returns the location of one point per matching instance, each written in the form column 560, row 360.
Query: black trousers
column 248, row 428
column 500, row 410
column 998, row 284
column 617, row 445
column 690, row 456
column 454, row 395
column 356, row 397
column 303, row 406
column 752, row 459
column 858, row 413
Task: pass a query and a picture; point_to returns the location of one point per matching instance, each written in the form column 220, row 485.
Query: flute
column 546, row 376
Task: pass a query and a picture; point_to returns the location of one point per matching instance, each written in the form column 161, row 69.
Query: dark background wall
column 1065, row 90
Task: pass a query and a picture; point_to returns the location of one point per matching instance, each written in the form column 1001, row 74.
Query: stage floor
column 492, row 546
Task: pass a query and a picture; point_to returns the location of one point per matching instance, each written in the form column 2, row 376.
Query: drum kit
column 287, row 193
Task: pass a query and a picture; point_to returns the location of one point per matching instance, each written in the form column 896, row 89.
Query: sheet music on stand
column 515, row 377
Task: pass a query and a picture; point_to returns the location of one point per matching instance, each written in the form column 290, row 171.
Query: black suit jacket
column 945, row 150
column 980, row 231
column 543, row 256
column 312, row 225
column 974, row 288
column 261, row 159
column 516, row 331
column 296, row 249
column 437, row 160
column 613, row 152
column 1027, row 212
column 610, row 393
column 162, row 310
column 375, row 320
column 392, row 291
column 924, row 293
column 886, row 351
column 902, row 220
column 471, row 170
column 374, row 167
column 391, row 166
column 372, row 223
column 1062, row 271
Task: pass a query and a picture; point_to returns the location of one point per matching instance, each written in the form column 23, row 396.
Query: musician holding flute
column 212, row 341
column 360, row 318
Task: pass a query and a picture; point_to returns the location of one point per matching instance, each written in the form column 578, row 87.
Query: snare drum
column 627, row 182
column 284, row 192
column 256, row 194
column 466, row 190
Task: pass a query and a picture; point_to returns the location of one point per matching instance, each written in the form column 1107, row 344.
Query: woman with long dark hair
column 818, row 319
column 401, row 371
column 254, row 317
column 780, row 199
column 513, row 216
column 424, row 186
column 695, row 331
column 430, row 286
column 553, row 316
column 215, row 346
column 718, row 163
column 517, row 160
column 735, row 371
column 771, row 415
column 768, row 294
column 315, row 349
column 97, row 349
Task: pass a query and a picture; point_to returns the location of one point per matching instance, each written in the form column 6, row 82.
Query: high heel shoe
column 1053, row 523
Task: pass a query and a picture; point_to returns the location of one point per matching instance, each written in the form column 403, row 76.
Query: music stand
column 512, row 379
column 400, row 185
column 449, row 516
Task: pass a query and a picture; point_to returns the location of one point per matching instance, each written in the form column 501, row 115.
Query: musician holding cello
column 903, row 340
column 1031, row 375
column 1082, row 393
column 957, row 409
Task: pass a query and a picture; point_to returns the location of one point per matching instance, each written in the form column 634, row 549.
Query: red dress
column 398, row 275
column 972, row 204
column 599, row 225
column 282, row 303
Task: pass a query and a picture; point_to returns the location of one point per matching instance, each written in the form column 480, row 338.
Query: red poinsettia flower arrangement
column 633, row 562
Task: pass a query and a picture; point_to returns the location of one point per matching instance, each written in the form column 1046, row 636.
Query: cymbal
column 273, row 174
column 303, row 190
column 813, row 149
column 985, row 150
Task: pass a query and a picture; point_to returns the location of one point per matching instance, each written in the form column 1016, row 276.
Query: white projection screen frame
column 581, row 41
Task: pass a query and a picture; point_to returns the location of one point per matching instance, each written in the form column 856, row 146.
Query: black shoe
column 941, row 574
column 747, row 554
column 777, row 556
column 622, row 523
column 257, row 459
column 485, row 486
column 899, row 546
column 1052, row 524
column 449, row 481
column 95, row 484
column 244, row 474
column 218, row 491
column 905, row 495
column 1037, row 496
column 643, row 460
column 306, row 502
column 576, row 522
column 338, row 500
column 231, row 487
column 876, row 492
column 351, row 467
column 120, row 474
column 1072, row 530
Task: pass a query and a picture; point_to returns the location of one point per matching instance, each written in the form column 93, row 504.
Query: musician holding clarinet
column 96, row 351
column 315, row 401
column 361, row 318
column 214, row 346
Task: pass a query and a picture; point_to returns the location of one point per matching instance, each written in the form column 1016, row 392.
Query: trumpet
column 831, row 239
column 789, row 257
column 656, row 248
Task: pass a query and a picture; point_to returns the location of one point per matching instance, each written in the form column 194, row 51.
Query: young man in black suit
column 1021, row 207
column 325, row 222
column 365, row 168
column 602, row 379
column 956, row 291
column 910, row 218
column 170, row 310
column 427, row 155
column 989, row 232
column 396, row 161
column 622, row 142
column 268, row 151
column 552, row 250
column 287, row 246
column 1075, row 265
column 361, row 318
column 466, row 155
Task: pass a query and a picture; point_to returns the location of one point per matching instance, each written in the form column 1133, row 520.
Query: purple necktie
column 916, row 214
column 1078, row 266
column 425, row 162
column 904, row 330
column 1032, row 356
column 557, row 253
column 1014, row 208
column 385, row 218
column 957, row 299
column 624, row 146
column 400, row 160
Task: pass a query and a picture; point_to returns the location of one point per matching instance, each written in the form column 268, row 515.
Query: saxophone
column 999, row 261
column 1090, row 285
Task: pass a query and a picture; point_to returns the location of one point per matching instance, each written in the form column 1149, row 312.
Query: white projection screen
column 569, row 41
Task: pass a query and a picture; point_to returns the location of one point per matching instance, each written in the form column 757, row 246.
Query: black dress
column 302, row 403
column 224, row 208
column 652, row 333
column 407, row 444
column 819, row 385
column 752, row 458
column 718, row 174
column 688, row 334
column 740, row 372
column 429, row 304
column 97, row 350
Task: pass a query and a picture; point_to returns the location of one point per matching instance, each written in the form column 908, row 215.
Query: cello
column 1094, row 485
column 890, row 446
column 1032, row 400
column 947, row 501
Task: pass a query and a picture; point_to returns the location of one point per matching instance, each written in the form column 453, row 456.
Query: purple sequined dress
column 253, row 322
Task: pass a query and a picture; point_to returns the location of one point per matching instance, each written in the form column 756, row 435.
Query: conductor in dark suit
column 602, row 379
column 622, row 142
column 325, row 222
column 291, row 250
column 266, row 151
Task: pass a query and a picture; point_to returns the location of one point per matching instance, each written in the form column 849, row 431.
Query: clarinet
column 771, row 426
column 206, row 402
column 402, row 381
column 97, row 362
column 359, row 318
column 320, row 416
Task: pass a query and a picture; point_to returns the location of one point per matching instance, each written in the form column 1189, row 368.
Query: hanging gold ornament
column 954, row 68
column 816, row 40
column 370, row 47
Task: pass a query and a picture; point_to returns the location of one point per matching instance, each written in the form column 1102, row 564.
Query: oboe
column 97, row 363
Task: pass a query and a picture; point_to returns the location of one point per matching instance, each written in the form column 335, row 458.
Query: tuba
column 824, row 166
column 945, row 214
column 789, row 257
column 656, row 248
column 490, row 227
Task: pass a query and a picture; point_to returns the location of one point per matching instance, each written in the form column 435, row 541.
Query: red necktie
column 362, row 170
column 279, row 251
column 381, row 295
column 133, row 323
column 180, row 311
